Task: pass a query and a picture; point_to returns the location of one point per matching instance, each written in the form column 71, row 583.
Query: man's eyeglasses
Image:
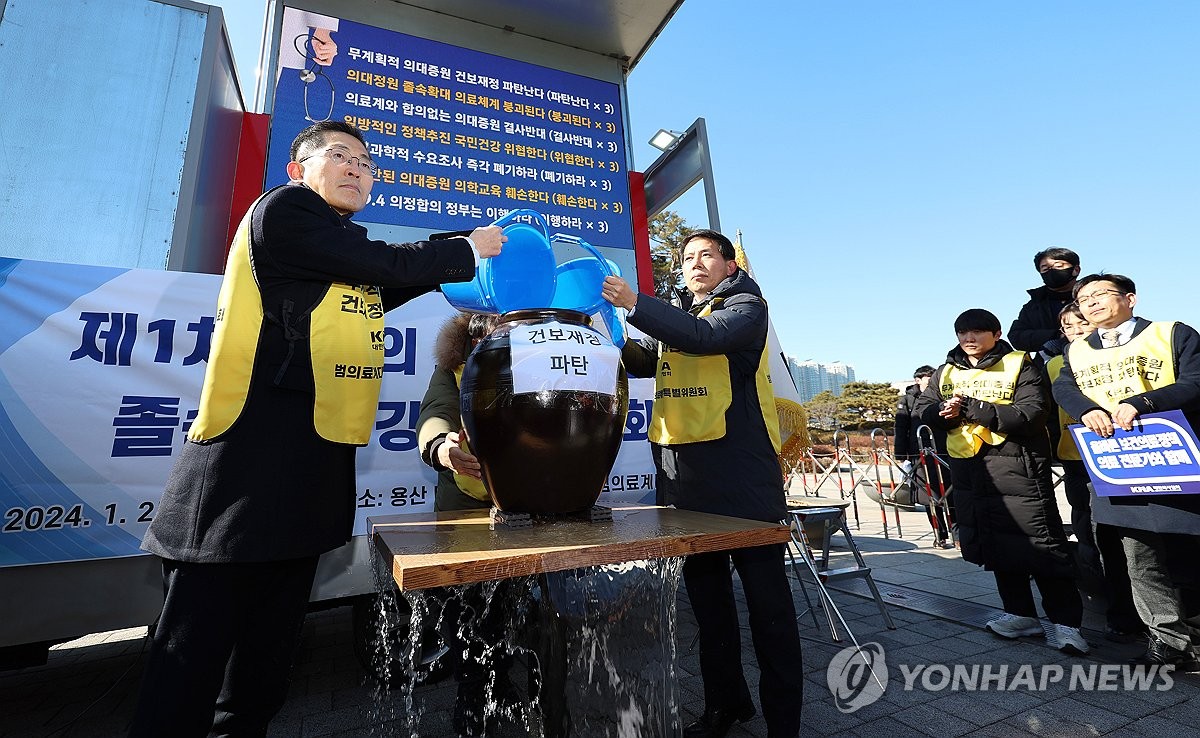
column 1097, row 296
column 340, row 157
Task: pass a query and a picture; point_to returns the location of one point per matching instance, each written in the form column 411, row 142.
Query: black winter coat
column 1037, row 323
column 908, row 420
column 270, row 488
column 1005, row 508
column 440, row 413
column 737, row 475
column 1162, row 513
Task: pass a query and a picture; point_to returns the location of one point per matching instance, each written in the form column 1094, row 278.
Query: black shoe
column 474, row 713
column 1120, row 635
column 716, row 723
column 470, row 713
column 1161, row 654
column 475, row 709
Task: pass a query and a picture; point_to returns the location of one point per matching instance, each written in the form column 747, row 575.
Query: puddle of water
column 588, row 652
column 618, row 626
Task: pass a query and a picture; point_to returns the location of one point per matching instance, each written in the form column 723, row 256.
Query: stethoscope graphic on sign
column 310, row 73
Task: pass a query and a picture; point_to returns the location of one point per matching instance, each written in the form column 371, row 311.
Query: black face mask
column 1057, row 278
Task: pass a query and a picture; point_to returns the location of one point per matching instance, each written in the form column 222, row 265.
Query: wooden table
column 579, row 614
column 440, row 549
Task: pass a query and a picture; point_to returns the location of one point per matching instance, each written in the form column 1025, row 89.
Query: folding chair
column 831, row 519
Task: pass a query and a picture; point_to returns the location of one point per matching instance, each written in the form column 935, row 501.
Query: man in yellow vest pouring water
column 265, row 482
column 1131, row 367
column 994, row 404
column 714, row 433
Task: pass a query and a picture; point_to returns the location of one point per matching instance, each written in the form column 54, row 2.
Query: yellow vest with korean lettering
column 346, row 340
column 996, row 385
column 1067, row 450
column 693, row 392
column 1108, row 375
column 470, row 486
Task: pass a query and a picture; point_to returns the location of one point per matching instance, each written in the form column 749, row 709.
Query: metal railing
column 934, row 466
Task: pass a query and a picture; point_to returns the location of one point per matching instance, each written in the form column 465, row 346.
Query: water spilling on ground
column 586, row 652
column 618, row 626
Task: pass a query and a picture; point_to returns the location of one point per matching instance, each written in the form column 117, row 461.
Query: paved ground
column 937, row 601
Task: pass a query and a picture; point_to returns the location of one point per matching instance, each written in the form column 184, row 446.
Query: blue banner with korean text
column 1159, row 456
column 461, row 137
column 100, row 376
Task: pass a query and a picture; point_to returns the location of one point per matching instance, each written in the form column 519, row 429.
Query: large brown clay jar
column 548, row 450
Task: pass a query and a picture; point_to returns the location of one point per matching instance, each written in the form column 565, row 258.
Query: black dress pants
column 1060, row 598
column 221, row 654
column 1079, row 495
column 772, row 628
column 1121, row 614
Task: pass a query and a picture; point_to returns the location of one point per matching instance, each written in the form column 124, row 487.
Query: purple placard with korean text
column 1159, row 456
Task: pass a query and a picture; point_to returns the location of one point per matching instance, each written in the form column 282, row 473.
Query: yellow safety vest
column 1108, row 375
column 693, row 392
column 997, row 384
column 470, row 486
column 346, row 340
column 1067, row 450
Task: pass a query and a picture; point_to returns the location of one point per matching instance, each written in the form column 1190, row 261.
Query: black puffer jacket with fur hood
column 440, row 411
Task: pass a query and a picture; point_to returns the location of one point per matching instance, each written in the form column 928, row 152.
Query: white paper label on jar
column 562, row 356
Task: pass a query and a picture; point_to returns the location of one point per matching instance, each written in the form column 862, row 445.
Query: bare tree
column 667, row 231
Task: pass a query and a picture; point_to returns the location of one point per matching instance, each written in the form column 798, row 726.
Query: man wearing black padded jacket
column 714, row 434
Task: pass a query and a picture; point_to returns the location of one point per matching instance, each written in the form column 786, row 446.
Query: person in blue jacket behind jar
column 715, row 439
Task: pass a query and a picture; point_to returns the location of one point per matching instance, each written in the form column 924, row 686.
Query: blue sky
column 891, row 164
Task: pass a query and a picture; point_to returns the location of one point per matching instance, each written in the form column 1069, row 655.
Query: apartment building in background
column 813, row 377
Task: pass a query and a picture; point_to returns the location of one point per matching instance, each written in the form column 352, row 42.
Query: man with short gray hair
column 1127, row 368
column 265, row 482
